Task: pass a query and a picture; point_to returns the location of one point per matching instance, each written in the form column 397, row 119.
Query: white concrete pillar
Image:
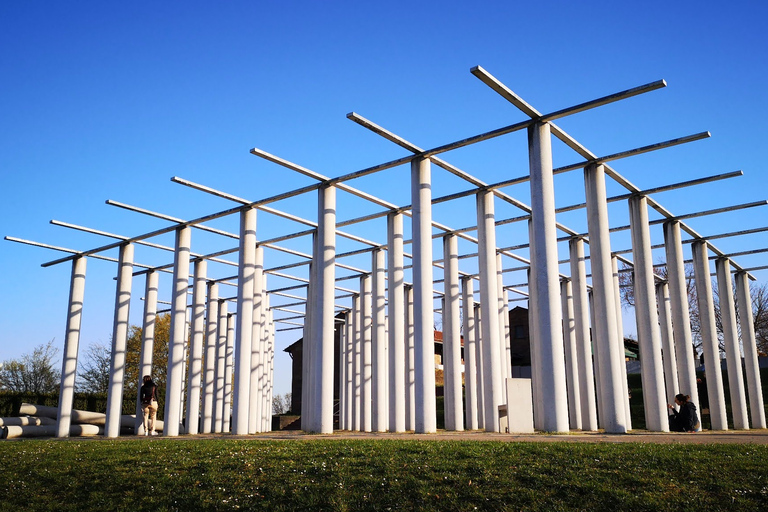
column 548, row 314
column 620, row 338
column 507, row 332
column 221, row 362
column 480, row 365
column 501, row 303
column 598, row 390
column 244, row 322
column 269, row 389
column 610, row 359
column 731, row 342
column 571, row 358
column 71, row 346
column 396, row 319
column 178, row 335
column 257, row 382
column 410, row 361
column 228, row 369
column 366, row 318
column 582, row 332
column 194, row 374
column 708, row 333
column 751, row 364
column 536, row 394
column 357, row 362
column 423, row 321
column 307, row 383
column 667, row 341
column 490, row 344
column 349, row 341
column 119, row 341
column 470, row 352
column 454, row 404
column 147, row 341
column 211, row 340
column 647, row 318
column 379, row 341
column 681, row 321
column 343, row 328
column 266, row 386
column 323, row 316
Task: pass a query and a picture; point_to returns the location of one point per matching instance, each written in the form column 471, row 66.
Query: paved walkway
column 637, row 436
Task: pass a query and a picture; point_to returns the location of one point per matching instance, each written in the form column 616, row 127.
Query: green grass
column 165, row 474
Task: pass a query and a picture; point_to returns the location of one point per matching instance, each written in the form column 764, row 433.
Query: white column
column 667, row 341
column 731, row 342
column 221, row 362
column 307, row 383
column 538, row 404
column 620, row 338
column 548, row 313
column 751, row 365
column 323, row 316
column 269, row 381
column 470, row 352
column 507, row 331
column 647, row 318
column 610, row 359
column 71, row 346
column 147, row 341
column 410, row 362
column 257, row 344
column 421, row 201
column 571, row 351
column 194, row 374
column 366, row 373
column 228, row 368
column 244, row 321
column 357, row 362
column 119, row 341
column 598, row 390
column 582, row 332
column 211, row 339
column 479, row 352
column 708, row 333
column 349, row 340
column 454, row 405
column 178, row 334
column 681, row 321
column 396, row 319
column 379, row 341
column 343, row 331
column 501, row 302
column 493, row 395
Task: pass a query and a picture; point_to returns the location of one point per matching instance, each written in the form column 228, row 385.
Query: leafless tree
column 759, row 294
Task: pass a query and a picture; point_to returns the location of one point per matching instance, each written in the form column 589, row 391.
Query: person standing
column 149, row 405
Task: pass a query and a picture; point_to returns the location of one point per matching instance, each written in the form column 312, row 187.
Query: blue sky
column 109, row 101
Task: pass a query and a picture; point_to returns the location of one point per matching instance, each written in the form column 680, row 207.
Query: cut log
column 23, row 421
column 82, row 417
column 13, row 431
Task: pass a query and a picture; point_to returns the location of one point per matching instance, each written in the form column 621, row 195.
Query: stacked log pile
column 40, row 421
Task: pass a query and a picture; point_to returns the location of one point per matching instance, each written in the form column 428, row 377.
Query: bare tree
column 94, row 374
column 759, row 294
column 33, row 373
column 281, row 404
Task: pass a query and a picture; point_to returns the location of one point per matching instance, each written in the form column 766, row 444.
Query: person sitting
column 686, row 419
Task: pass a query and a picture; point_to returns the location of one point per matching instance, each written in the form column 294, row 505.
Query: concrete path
column 637, row 436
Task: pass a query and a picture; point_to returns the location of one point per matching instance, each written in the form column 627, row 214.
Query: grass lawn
column 166, row 474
